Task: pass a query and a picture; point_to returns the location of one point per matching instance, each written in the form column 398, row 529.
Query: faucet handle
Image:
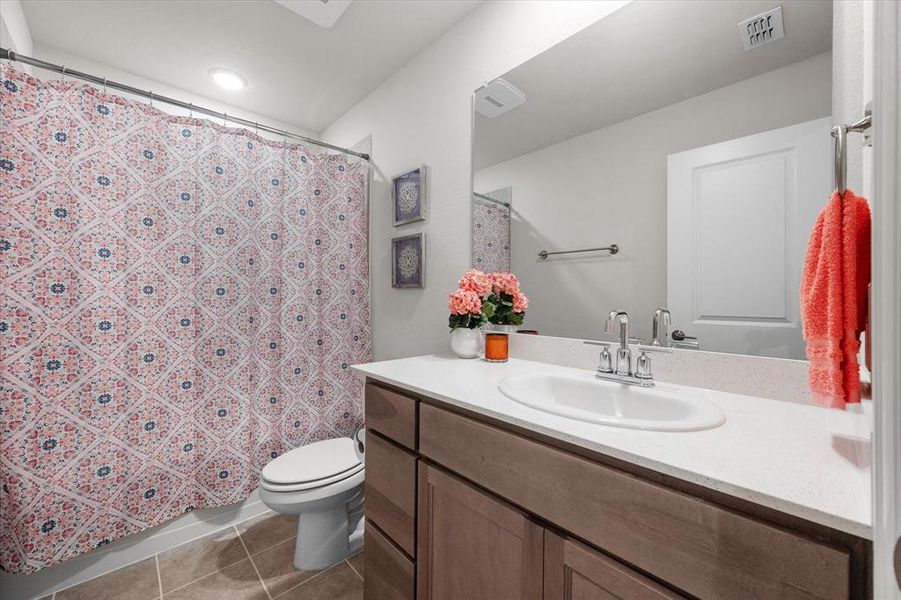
column 643, row 366
column 606, row 361
column 605, row 364
column 610, row 323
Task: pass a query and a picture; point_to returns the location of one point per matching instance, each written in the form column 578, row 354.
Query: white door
column 739, row 215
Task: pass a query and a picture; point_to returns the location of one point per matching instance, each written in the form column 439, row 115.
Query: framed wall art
column 409, row 193
column 408, row 261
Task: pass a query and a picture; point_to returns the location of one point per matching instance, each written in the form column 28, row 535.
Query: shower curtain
column 180, row 304
column 491, row 233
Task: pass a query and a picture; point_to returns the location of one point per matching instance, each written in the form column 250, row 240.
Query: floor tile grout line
column 357, row 573
column 193, row 581
column 159, row 576
column 290, row 540
column 308, row 580
column 125, row 566
column 184, row 585
column 216, row 532
column 268, row 548
column 252, row 564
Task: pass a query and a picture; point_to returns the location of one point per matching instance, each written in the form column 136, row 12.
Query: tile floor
column 249, row 562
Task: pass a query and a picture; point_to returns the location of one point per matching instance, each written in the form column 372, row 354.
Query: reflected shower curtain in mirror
column 180, row 303
column 491, row 233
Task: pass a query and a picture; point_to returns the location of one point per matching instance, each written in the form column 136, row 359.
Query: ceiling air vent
column 762, row 29
column 497, row 97
column 324, row 13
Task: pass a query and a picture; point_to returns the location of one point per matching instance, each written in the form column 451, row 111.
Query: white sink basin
column 586, row 398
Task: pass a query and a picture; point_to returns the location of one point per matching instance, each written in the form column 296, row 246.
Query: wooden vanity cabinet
column 462, row 507
column 473, row 545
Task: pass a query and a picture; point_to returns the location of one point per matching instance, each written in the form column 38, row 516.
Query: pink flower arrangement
column 464, row 302
column 474, row 280
column 487, row 297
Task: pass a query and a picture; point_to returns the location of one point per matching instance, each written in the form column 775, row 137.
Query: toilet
column 321, row 483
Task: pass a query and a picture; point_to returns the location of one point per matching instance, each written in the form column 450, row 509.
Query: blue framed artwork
column 408, row 195
column 408, row 261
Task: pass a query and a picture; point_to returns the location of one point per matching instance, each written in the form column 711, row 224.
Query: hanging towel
column 834, row 298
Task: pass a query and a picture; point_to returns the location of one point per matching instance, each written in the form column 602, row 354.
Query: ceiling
column 643, row 57
column 297, row 72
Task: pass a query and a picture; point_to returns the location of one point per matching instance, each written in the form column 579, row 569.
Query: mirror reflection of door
column 739, row 214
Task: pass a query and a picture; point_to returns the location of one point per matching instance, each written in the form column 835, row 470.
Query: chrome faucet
column 623, row 354
column 620, row 370
column 660, row 333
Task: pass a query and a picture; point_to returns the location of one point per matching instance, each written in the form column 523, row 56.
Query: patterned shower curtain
column 180, row 303
column 491, row 234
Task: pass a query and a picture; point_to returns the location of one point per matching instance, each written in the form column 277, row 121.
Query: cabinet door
column 573, row 571
column 472, row 545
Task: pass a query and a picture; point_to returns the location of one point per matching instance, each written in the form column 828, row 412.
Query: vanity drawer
column 391, row 414
column 389, row 574
column 694, row 545
column 391, row 491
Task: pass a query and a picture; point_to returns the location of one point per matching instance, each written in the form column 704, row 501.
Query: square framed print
column 408, row 261
column 409, row 192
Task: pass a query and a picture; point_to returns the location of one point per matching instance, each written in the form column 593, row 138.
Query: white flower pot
column 466, row 343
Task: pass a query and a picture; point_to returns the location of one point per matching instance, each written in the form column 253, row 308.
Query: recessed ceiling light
column 228, row 79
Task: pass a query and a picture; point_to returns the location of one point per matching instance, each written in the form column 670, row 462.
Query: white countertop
column 806, row 461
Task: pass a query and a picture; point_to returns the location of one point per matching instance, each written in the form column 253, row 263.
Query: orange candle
column 497, row 347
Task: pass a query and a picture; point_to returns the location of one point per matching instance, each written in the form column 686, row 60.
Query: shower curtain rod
column 490, row 199
column 7, row 54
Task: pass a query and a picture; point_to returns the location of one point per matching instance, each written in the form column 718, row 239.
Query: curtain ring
column 104, row 85
column 225, row 119
column 190, row 110
column 256, row 128
column 62, row 74
column 151, row 98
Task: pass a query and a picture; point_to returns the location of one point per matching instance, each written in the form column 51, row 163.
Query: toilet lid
column 313, row 462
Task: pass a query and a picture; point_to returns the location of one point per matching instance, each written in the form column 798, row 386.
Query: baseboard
column 128, row 550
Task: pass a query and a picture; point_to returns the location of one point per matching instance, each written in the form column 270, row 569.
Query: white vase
column 466, row 343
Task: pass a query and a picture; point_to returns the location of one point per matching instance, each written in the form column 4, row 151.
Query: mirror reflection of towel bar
column 612, row 249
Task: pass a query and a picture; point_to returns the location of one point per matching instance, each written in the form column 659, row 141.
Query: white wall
column 14, row 32
column 848, row 75
column 609, row 186
column 80, row 63
column 422, row 114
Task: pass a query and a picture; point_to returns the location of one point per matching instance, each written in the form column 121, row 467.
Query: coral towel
column 834, row 298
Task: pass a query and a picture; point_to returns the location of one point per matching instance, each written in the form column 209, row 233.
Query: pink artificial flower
column 464, row 302
column 520, row 302
column 476, row 281
column 506, row 283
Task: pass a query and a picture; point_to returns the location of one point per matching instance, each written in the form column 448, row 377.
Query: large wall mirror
column 699, row 147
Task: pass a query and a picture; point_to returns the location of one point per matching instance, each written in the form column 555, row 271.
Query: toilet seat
column 312, row 466
column 310, row 485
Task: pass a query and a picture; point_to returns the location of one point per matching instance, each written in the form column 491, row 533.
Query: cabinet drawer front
column 391, row 414
column 389, row 574
column 695, row 545
column 391, row 491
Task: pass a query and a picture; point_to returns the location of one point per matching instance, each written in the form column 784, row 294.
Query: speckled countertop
column 807, row 461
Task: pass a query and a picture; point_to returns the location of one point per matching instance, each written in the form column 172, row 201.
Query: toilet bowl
column 321, row 483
